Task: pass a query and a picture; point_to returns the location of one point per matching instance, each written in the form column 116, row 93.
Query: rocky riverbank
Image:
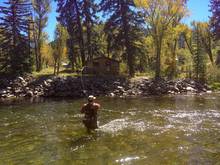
column 77, row 87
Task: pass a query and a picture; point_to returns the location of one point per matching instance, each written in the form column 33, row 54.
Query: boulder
column 2, row 92
column 29, row 94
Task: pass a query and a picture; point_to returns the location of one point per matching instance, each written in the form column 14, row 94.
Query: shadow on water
column 80, row 141
column 83, row 140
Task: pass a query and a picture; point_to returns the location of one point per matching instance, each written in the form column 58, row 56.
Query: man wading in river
column 90, row 110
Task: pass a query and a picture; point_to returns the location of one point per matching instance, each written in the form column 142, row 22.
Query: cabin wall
column 104, row 67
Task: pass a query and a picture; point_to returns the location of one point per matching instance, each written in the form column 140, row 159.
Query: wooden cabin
column 103, row 66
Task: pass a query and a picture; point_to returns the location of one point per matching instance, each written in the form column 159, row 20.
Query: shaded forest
column 148, row 37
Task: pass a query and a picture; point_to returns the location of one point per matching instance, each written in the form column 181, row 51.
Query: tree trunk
column 35, row 50
column 58, row 67
column 29, row 39
column 39, row 58
column 88, row 30
column 173, row 67
column 55, row 67
column 208, row 48
column 39, row 46
column 218, row 59
column 158, row 59
column 126, row 28
column 80, row 35
column 14, row 42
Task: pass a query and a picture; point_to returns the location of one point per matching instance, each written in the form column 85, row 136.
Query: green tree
column 206, row 39
column 46, row 52
column 215, row 18
column 160, row 16
column 70, row 17
column 198, row 54
column 41, row 11
column 59, row 47
column 15, row 41
column 89, row 11
column 171, row 41
column 122, row 29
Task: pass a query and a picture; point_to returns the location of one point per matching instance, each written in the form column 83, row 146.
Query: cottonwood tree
column 122, row 29
column 171, row 41
column 206, row 39
column 41, row 11
column 46, row 51
column 15, row 41
column 160, row 15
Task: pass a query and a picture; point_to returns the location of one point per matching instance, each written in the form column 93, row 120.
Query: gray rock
column 120, row 88
column 3, row 92
column 9, row 88
column 190, row 89
column 112, row 94
column 49, row 80
column 21, row 79
column 18, row 91
column 29, row 94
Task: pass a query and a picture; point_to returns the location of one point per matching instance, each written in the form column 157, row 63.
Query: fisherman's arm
column 83, row 108
column 97, row 106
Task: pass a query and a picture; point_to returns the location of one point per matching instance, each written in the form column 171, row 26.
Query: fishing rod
column 85, row 92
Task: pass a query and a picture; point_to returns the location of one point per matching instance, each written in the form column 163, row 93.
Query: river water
column 155, row 130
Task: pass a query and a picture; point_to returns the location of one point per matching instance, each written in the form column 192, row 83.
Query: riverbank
column 78, row 87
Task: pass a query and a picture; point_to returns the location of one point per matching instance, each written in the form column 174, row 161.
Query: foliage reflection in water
column 156, row 130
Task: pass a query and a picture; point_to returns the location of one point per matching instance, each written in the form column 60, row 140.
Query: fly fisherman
column 90, row 110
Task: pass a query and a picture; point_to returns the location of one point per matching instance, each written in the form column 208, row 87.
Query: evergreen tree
column 122, row 27
column 2, row 52
column 89, row 11
column 70, row 17
column 15, row 42
column 199, row 60
column 41, row 10
column 215, row 18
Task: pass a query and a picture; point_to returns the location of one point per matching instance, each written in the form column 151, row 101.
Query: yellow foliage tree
column 59, row 47
column 47, row 52
column 160, row 15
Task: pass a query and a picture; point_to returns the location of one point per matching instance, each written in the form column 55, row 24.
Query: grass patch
column 44, row 72
column 50, row 72
column 148, row 74
column 215, row 86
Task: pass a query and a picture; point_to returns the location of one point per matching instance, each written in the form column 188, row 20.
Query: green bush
column 215, row 86
column 213, row 74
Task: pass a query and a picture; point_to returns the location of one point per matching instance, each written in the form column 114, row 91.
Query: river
column 155, row 130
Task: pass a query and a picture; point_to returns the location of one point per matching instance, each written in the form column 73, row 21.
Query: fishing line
column 82, row 83
column 85, row 92
column 108, row 110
